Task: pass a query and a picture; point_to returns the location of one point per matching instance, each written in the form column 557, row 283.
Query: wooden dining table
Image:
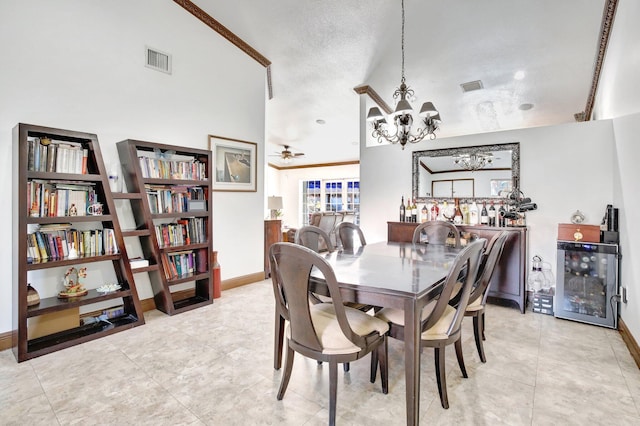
column 389, row 274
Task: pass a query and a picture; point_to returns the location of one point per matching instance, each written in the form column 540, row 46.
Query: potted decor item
column 33, row 298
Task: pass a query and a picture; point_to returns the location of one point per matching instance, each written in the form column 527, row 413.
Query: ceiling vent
column 471, row 86
column 157, row 60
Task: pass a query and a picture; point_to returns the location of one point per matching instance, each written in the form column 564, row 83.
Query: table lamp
column 274, row 204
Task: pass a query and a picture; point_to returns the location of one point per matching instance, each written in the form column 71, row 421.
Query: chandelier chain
column 402, row 80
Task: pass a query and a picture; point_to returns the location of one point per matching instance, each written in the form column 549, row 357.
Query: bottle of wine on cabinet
column 403, row 210
column 492, row 215
column 473, row 214
column 484, row 214
column 414, row 211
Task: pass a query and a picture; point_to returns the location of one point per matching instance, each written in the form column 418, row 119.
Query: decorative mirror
column 485, row 171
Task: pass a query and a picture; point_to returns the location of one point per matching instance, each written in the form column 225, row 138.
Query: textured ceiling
column 321, row 50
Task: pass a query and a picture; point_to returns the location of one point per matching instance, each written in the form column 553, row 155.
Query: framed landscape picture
column 234, row 164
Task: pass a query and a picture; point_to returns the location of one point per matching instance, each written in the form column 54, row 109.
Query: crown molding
column 368, row 90
column 215, row 25
column 606, row 26
column 309, row 166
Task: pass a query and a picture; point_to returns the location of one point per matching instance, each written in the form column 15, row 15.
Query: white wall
column 619, row 98
column 563, row 168
column 79, row 65
column 286, row 183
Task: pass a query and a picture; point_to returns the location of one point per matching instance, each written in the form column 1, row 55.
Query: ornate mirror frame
column 515, row 163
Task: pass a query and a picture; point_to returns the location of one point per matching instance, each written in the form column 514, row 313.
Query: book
column 138, row 262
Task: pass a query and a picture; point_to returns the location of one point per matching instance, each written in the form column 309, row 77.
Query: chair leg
column 278, row 341
column 286, row 375
column 345, row 367
column 478, row 332
column 333, row 391
column 441, row 377
column 374, row 366
column 460, row 356
column 383, row 355
column 482, row 317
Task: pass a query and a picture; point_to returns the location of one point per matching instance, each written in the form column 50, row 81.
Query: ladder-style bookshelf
column 169, row 188
column 64, row 225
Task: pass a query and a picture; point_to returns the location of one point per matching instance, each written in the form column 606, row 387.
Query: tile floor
column 214, row 366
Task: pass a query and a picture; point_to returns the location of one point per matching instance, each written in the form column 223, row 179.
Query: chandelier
column 402, row 117
column 475, row 161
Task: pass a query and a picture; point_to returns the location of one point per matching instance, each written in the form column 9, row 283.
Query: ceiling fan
column 286, row 154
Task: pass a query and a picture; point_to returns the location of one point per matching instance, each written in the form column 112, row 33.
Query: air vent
column 157, row 60
column 471, row 86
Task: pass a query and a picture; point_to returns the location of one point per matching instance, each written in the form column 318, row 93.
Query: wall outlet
column 624, row 293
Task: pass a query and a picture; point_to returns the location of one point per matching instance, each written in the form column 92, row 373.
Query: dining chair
column 478, row 297
column 326, row 332
column 437, row 232
column 314, row 238
column 441, row 322
column 350, row 235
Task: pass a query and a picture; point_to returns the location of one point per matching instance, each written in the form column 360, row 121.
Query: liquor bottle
column 414, row 211
column 501, row 213
column 402, row 210
column 407, row 217
column 492, row 215
column 424, row 216
column 435, row 210
column 457, row 215
column 465, row 213
column 473, row 214
column 484, row 214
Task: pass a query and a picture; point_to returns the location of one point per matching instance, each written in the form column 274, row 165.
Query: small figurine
column 72, row 285
column 73, row 253
column 73, row 210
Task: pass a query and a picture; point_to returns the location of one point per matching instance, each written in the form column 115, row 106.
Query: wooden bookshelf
column 33, row 214
column 165, row 178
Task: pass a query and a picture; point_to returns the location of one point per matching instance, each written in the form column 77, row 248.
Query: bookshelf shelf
column 58, row 173
column 148, row 168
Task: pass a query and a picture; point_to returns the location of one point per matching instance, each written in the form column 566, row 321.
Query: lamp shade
column 374, row 114
column 403, row 107
column 274, row 203
column 428, row 110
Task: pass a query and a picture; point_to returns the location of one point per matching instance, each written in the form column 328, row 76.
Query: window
column 335, row 195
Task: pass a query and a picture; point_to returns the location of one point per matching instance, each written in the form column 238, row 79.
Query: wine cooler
column 587, row 283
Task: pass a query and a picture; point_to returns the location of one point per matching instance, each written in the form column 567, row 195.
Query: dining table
column 388, row 274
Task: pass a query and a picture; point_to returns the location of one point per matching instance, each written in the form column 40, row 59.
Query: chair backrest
column 347, row 233
column 314, row 238
column 291, row 265
column 437, row 232
column 467, row 261
column 488, row 264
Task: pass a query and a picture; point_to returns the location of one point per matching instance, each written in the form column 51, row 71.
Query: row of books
column 57, row 243
column 172, row 169
column 182, row 232
column 46, row 199
column 173, row 199
column 181, row 264
column 56, row 156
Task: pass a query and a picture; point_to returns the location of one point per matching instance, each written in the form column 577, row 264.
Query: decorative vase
column 33, row 298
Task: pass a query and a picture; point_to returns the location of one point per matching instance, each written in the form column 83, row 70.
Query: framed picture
column 500, row 187
column 234, row 164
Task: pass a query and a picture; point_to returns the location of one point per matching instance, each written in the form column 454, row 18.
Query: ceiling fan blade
column 298, row 154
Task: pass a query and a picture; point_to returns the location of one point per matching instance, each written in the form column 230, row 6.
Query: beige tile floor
column 214, row 366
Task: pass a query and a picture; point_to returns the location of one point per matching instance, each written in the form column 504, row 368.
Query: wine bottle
column 492, row 215
column 425, row 214
column 501, row 213
column 414, row 211
column 473, row 214
column 435, row 210
column 484, row 214
column 457, row 215
column 465, row 213
column 407, row 217
column 402, row 210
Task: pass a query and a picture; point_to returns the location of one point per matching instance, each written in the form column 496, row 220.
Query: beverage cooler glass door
column 587, row 283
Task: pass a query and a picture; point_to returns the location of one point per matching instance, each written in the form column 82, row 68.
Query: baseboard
column 628, row 339
column 149, row 304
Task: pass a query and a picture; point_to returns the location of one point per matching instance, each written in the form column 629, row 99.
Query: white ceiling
column 321, row 50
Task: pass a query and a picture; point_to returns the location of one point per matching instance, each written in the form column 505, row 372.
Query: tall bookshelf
column 170, row 195
column 57, row 175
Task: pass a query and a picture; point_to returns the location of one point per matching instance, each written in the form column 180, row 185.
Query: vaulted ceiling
column 321, row 50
